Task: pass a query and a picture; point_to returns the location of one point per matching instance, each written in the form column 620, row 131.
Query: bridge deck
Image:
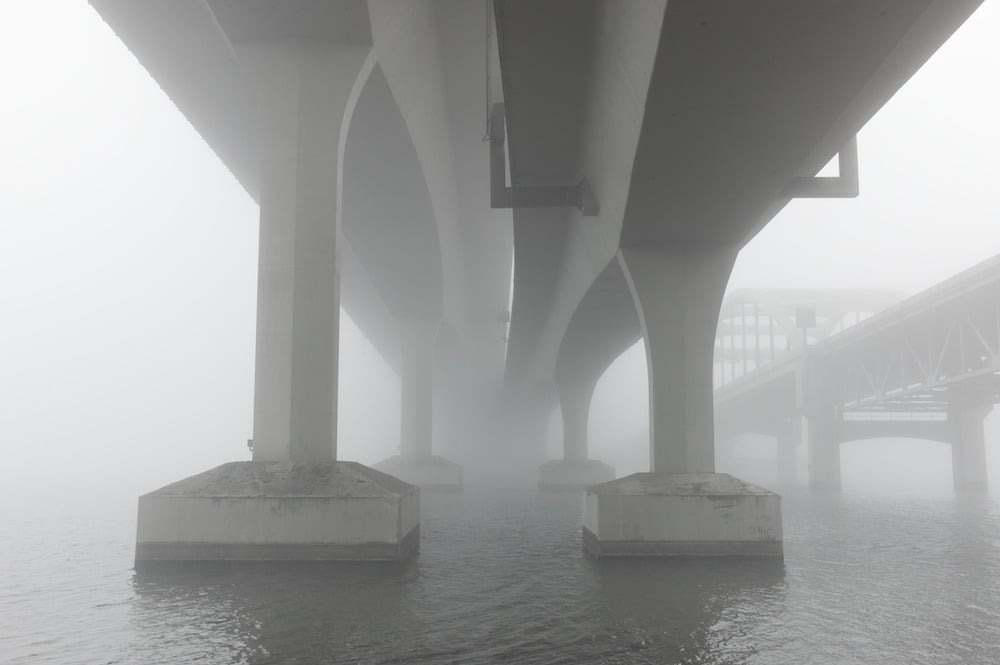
column 915, row 355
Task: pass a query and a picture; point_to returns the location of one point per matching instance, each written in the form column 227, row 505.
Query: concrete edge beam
column 573, row 475
column 679, row 549
column 280, row 511
column 431, row 473
column 681, row 514
column 152, row 553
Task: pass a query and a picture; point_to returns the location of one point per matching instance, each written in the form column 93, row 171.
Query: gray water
column 500, row 577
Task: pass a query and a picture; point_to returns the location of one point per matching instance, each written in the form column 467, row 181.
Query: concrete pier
column 968, row 448
column 416, row 462
column 574, row 404
column 824, row 465
column 280, row 511
column 294, row 501
column 786, row 449
column 681, row 514
column 428, row 472
column 416, row 380
column 681, row 507
column 824, row 450
column 575, row 471
column 573, row 475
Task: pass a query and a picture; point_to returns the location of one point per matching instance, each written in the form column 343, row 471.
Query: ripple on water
column 501, row 578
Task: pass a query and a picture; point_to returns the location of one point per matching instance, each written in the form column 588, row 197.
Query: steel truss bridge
column 863, row 364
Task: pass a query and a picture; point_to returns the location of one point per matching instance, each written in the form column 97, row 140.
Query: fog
column 128, row 269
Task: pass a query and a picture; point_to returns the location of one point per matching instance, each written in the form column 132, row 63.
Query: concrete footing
column 280, row 511
column 573, row 475
column 428, row 472
column 681, row 514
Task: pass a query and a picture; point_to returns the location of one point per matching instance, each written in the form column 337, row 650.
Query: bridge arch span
column 388, row 217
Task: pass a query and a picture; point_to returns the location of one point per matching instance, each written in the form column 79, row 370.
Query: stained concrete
column 428, row 472
column 681, row 514
column 280, row 511
column 573, row 475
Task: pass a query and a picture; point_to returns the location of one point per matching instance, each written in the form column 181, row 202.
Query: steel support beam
column 542, row 196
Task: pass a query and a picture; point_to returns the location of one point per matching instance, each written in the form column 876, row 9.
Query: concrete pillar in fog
column 789, row 434
column 574, row 401
column 677, row 291
column 304, row 90
column 968, row 447
column 725, row 450
column 824, row 449
column 416, row 377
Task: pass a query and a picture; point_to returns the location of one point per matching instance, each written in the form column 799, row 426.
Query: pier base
column 280, row 511
column 681, row 514
column 573, row 475
column 428, row 472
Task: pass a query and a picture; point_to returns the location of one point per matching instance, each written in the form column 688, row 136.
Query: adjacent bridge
column 927, row 367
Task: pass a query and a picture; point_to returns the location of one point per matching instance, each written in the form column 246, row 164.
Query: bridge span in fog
column 402, row 152
column 925, row 368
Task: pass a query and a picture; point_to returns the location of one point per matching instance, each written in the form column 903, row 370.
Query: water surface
column 501, row 577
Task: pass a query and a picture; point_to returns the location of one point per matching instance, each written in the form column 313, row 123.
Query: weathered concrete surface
column 280, row 511
column 570, row 474
column 681, row 514
column 428, row 472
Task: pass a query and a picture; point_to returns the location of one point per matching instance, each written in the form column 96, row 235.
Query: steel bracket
column 577, row 196
column 843, row 186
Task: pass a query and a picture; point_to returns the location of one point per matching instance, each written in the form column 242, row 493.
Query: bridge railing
column 759, row 327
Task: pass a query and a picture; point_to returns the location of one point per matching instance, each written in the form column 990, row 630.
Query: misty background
column 128, row 261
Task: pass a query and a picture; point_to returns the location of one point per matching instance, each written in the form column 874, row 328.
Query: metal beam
column 544, row 196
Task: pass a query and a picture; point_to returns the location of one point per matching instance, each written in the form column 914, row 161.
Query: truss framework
column 946, row 355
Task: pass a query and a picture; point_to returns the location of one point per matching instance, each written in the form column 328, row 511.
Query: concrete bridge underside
column 360, row 123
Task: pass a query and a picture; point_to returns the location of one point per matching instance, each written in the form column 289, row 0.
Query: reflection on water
column 694, row 611
column 501, row 578
column 261, row 613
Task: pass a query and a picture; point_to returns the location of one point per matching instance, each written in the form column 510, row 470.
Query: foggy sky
column 128, row 264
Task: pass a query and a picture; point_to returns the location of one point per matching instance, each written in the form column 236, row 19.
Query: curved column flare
column 675, row 509
column 294, row 501
column 677, row 292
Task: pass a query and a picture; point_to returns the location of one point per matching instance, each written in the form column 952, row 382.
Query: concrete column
column 789, row 434
column 678, row 290
column 968, row 448
column 416, row 379
column 304, row 91
column 574, row 401
column 574, row 471
column 824, row 449
column 416, row 464
column 725, row 451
